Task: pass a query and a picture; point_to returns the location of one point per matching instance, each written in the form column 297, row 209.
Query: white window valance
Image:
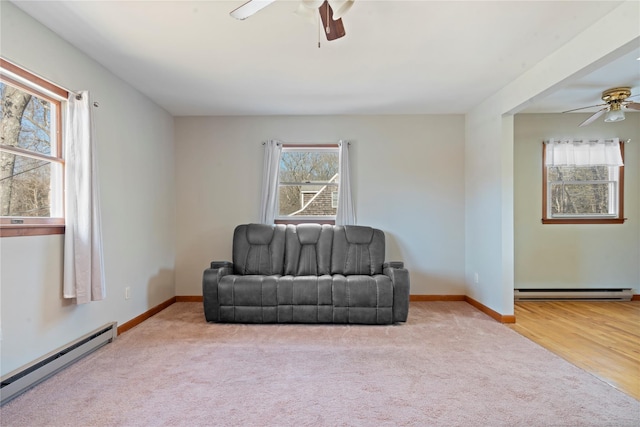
column 594, row 152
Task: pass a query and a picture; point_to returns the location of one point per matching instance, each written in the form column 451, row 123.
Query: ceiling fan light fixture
column 340, row 7
column 614, row 115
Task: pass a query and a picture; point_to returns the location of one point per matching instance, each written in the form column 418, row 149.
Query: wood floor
column 600, row 337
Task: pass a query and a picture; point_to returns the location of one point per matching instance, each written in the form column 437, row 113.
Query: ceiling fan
column 615, row 102
column 331, row 13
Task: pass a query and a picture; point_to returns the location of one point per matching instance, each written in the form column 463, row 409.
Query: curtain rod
column 307, row 144
column 590, row 140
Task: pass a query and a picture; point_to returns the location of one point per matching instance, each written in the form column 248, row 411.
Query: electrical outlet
column 127, row 292
column 476, row 278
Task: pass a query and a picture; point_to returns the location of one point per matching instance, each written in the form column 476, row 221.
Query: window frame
column 619, row 219
column 306, row 219
column 37, row 86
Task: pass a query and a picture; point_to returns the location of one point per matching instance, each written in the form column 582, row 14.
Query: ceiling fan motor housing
column 617, row 94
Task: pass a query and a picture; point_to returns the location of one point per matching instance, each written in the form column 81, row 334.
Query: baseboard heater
column 573, row 294
column 22, row 379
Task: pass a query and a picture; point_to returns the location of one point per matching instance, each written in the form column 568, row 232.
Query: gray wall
column 136, row 174
column 408, row 180
column 573, row 256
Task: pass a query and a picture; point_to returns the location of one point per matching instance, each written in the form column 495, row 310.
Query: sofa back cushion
column 357, row 250
column 258, row 249
column 308, row 249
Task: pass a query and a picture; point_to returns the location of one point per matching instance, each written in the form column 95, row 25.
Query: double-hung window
column 31, row 159
column 585, row 187
column 308, row 183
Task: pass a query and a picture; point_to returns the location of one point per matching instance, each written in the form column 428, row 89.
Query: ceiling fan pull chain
column 319, row 26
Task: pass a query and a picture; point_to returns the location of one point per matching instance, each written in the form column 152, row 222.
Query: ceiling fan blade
column 340, row 7
column 332, row 29
column 583, row 108
column 633, row 105
column 249, row 8
column 593, row 117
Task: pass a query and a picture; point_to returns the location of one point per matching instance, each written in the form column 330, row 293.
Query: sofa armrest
column 210, row 280
column 393, row 264
column 400, row 280
column 220, row 264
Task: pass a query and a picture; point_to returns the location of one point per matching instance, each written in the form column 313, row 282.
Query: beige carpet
column 449, row 365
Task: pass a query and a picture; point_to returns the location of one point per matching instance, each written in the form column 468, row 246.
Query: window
column 589, row 194
column 308, row 183
column 31, row 161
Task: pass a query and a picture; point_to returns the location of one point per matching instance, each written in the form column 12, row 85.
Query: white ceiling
column 398, row 57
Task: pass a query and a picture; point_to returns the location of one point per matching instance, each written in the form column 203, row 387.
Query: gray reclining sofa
column 307, row 273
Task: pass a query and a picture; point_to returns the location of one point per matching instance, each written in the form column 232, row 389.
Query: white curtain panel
column 270, row 170
column 599, row 152
column 83, row 257
column 345, row 214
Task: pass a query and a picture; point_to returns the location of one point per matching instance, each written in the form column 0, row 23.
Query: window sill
column 584, row 221
column 30, row 230
column 330, row 221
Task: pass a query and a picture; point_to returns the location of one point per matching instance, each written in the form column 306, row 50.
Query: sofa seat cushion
column 305, row 290
column 252, row 290
column 306, row 299
column 362, row 299
column 362, row 291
